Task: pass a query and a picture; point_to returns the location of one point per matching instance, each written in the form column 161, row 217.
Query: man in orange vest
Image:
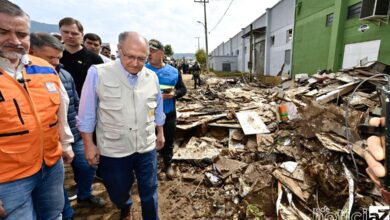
column 34, row 132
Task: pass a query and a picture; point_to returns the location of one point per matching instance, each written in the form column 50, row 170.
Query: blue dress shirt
column 89, row 100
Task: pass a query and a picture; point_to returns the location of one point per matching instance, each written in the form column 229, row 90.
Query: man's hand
column 2, row 210
column 169, row 95
column 68, row 156
column 160, row 138
column 92, row 154
column 375, row 154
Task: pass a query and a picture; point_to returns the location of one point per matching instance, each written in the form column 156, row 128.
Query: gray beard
column 12, row 55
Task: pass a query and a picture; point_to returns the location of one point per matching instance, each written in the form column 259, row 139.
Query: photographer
column 374, row 156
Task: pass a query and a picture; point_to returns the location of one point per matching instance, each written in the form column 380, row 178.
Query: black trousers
column 169, row 134
column 196, row 81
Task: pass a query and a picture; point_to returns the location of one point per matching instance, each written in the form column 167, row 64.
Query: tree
column 168, row 50
column 200, row 56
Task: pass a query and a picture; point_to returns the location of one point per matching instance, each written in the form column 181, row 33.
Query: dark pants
column 169, row 134
column 118, row 177
column 196, row 81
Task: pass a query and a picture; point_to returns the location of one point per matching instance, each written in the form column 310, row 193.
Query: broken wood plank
column 216, row 124
column 292, row 184
column 342, row 90
column 251, row 123
column 196, row 149
column 201, row 120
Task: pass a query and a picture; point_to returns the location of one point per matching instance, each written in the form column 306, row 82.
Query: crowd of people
column 125, row 115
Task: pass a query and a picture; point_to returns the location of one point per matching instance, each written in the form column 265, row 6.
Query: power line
column 219, row 21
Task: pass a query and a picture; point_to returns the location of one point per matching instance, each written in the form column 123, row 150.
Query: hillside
column 188, row 56
column 43, row 27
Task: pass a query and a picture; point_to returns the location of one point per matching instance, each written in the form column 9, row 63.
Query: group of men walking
column 130, row 107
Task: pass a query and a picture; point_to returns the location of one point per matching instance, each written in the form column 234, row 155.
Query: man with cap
column 172, row 87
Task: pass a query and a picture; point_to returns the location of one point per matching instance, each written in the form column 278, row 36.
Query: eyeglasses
column 134, row 58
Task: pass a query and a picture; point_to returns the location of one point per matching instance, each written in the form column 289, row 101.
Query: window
column 354, row 10
column 289, row 35
column 244, row 50
column 287, row 56
column 237, row 52
column 272, row 40
column 329, row 20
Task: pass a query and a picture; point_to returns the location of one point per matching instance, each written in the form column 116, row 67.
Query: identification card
column 51, row 87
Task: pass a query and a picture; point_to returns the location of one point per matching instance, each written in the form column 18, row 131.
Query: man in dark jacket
column 195, row 70
column 49, row 48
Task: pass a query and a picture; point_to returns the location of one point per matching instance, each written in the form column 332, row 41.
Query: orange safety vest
column 28, row 121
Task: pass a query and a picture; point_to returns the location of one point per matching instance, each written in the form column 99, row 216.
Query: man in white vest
column 123, row 100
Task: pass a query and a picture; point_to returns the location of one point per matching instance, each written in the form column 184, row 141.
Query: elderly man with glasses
column 124, row 99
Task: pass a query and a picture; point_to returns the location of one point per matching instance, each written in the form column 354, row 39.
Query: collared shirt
column 66, row 137
column 89, row 100
column 104, row 58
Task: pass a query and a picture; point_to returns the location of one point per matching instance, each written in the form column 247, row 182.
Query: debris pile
column 291, row 151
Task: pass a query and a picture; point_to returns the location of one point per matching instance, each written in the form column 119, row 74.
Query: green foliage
column 168, row 50
column 201, row 57
column 254, row 211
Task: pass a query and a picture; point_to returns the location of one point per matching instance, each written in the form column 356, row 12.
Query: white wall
column 278, row 27
column 353, row 53
column 217, row 61
column 279, row 20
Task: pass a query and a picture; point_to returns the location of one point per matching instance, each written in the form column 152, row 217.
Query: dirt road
column 177, row 199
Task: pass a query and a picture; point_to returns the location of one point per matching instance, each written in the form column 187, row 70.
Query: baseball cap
column 155, row 44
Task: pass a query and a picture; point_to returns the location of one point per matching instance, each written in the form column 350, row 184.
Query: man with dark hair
column 123, row 100
column 33, row 125
column 195, row 70
column 50, row 49
column 106, row 51
column 172, row 88
column 76, row 59
column 93, row 43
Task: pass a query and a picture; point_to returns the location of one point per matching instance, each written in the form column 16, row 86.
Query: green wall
column 316, row 46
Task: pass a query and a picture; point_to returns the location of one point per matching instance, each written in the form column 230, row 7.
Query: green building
column 329, row 34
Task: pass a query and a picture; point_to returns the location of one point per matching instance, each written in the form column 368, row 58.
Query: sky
column 172, row 22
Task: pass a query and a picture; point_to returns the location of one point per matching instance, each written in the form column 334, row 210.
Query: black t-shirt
column 77, row 65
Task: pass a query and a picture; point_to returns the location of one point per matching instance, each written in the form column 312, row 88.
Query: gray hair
column 40, row 39
column 124, row 35
column 11, row 9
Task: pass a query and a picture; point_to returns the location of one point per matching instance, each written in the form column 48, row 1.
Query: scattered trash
column 235, row 127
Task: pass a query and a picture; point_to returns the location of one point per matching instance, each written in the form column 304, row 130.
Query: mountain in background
column 43, row 27
column 188, row 56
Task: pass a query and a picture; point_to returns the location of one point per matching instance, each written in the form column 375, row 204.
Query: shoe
column 169, row 172
column 126, row 214
column 71, row 193
column 93, row 201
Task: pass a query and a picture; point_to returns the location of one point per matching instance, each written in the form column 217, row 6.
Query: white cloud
column 171, row 21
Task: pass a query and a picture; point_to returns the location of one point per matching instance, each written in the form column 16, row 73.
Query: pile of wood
column 232, row 134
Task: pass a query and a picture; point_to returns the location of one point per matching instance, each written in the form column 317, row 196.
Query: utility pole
column 205, row 31
column 250, row 64
column 198, row 43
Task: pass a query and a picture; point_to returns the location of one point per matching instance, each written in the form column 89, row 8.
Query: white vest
column 125, row 115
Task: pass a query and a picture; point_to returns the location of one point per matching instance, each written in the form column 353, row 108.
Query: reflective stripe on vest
column 28, row 121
